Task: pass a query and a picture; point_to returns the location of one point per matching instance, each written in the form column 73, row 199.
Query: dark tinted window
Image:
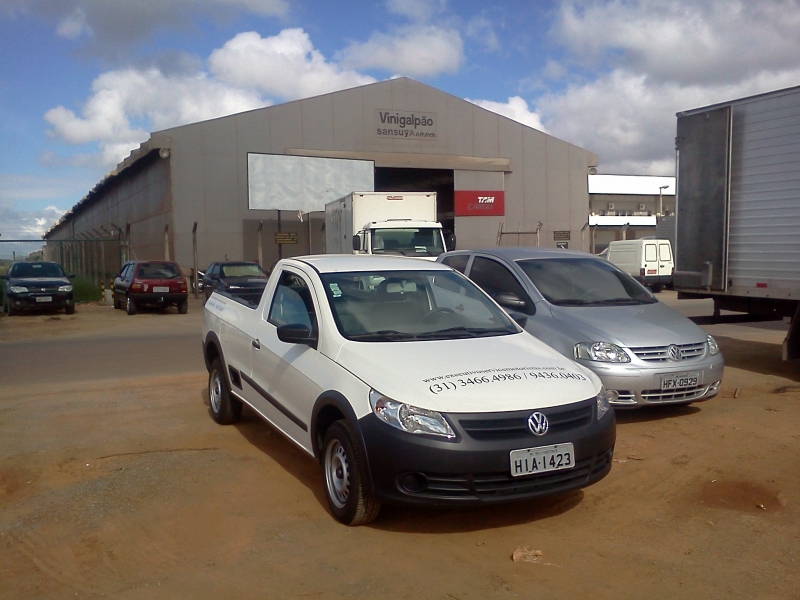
column 36, row 270
column 457, row 262
column 583, row 282
column 496, row 279
column 292, row 303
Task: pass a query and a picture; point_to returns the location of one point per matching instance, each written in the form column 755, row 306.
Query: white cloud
column 74, row 26
column 516, row 108
column 126, row 104
column 415, row 50
column 416, row 10
column 699, row 42
column 286, row 66
column 24, row 224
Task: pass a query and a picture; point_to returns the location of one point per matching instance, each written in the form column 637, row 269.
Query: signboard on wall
column 280, row 182
column 472, row 203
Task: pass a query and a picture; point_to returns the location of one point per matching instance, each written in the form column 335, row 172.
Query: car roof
column 513, row 253
column 331, row 263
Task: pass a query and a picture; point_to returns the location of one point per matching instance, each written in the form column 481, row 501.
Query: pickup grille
column 507, row 426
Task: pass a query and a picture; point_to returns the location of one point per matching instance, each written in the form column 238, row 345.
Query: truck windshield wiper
column 384, row 335
column 461, row 332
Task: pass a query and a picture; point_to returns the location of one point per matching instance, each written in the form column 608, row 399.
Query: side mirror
column 295, row 333
column 449, row 240
column 509, row 300
column 356, row 243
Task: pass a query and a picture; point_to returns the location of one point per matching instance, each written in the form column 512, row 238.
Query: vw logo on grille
column 538, row 424
column 674, row 353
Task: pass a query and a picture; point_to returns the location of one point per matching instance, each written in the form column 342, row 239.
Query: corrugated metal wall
column 764, row 234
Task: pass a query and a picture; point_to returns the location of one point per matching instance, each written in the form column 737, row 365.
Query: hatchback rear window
column 158, row 271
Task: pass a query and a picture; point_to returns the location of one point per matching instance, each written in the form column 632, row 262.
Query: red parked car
column 158, row 283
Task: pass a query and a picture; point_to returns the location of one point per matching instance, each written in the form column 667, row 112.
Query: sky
column 84, row 82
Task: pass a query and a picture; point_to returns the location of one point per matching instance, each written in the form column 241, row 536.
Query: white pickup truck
column 407, row 383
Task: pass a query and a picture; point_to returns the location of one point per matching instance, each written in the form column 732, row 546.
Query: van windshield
column 584, row 282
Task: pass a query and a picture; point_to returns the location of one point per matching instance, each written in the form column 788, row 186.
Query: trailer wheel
column 344, row 477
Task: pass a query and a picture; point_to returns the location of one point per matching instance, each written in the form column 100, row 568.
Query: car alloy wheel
column 215, row 391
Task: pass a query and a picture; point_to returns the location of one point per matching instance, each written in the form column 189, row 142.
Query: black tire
column 183, row 307
column 10, row 309
column 345, row 479
column 657, row 287
column 225, row 409
column 70, row 310
column 130, row 305
column 117, row 303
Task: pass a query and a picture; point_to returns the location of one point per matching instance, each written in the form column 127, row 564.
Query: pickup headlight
column 602, row 403
column 409, row 418
column 18, row 289
column 712, row 345
column 601, row 352
column 65, row 288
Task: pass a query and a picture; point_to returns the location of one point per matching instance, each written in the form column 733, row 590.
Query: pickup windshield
column 408, row 241
column 401, row 306
column 584, row 282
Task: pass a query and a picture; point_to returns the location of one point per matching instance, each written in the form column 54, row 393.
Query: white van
column 648, row 260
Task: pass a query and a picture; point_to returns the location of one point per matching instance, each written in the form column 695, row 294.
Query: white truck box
column 384, row 223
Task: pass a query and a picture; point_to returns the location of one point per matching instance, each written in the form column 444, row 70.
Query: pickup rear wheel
column 225, row 409
column 344, row 477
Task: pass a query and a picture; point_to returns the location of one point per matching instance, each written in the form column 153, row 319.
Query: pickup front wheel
column 344, row 477
column 225, row 409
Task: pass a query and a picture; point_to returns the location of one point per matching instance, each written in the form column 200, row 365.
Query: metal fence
column 96, row 260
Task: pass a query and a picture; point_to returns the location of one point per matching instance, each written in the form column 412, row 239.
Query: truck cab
column 419, row 239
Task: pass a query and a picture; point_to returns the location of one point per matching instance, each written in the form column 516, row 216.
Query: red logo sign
column 470, row 203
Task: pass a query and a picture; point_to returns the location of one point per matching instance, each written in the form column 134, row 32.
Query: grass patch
column 85, row 289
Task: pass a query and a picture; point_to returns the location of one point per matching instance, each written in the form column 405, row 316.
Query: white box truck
column 738, row 207
column 401, row 223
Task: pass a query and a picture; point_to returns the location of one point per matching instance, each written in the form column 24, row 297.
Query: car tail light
column 183, row 286
column 641, row 272
column 136, row 286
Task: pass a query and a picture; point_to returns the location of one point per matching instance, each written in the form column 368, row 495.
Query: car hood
column 38, row 281
column 501, row 373
column 630, row 326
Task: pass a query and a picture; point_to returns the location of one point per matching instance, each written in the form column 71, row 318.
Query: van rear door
column 665, row 260
column 650, row 260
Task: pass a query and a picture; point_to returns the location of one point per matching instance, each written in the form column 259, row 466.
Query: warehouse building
column 252, row 186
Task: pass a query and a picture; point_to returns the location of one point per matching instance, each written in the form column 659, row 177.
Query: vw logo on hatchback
column 538, row 424
column 674, row 353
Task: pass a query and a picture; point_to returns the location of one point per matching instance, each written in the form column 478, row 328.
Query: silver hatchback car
column 644, row 352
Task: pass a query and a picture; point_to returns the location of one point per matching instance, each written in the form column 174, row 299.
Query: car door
column 665, row 262
column 122, row 282
column 500, row 283
column 282, row 384
column 211, row 280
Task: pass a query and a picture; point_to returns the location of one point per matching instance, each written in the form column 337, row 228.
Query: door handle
column 256, row 344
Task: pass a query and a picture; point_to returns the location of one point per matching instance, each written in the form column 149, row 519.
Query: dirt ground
column 115, row 482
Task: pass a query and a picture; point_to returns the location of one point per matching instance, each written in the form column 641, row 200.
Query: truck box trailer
column 384, row 223
column 738, row 207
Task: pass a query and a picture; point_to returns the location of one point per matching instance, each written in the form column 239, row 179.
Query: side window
column 126, row 271
column 650, row 253
column 214, row 271
column 457, row 262
column 292, row 304
column 496, row 279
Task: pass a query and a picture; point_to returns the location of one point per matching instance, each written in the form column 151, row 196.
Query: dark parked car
column 246, row 280
column 37, row 285
column 153, row 282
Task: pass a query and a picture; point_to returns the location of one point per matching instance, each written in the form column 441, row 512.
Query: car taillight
column 641, row 272
column 136, row 286
column 183, row 286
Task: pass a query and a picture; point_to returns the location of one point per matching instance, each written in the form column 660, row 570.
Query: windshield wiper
column 387, row 335
column 453, row 332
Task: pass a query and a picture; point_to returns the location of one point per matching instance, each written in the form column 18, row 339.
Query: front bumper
column 638, row 383
column 475, row 468
column 48, row 300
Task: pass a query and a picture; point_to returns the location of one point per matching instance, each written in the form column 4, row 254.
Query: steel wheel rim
column 337, row 473
column 215, row 391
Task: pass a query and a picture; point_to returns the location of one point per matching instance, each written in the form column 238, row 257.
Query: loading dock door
column 703, row 200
